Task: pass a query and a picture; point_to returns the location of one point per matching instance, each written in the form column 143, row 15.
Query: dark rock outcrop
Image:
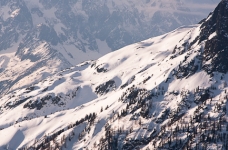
column 216, row 46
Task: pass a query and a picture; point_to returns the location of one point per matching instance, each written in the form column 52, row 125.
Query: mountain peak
column 215, row 31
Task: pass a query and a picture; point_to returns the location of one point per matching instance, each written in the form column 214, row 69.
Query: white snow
column 147, row 58
column 15, row 13
column 212, row 35
column 148, row 65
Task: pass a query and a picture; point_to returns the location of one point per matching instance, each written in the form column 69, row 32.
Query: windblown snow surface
column 136, row 96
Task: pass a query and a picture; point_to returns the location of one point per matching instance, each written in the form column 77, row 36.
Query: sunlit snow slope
column 162, row 93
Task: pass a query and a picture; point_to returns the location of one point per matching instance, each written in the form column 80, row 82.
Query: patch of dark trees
column 14, row 104
column 39, row 104
column 105, row 87
column 44, row 143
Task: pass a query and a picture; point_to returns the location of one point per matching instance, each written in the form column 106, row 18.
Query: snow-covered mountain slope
column 167, row 92
column 135, row 73
column 69, row 32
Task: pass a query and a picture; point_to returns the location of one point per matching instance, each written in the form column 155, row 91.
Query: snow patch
column 212, row 36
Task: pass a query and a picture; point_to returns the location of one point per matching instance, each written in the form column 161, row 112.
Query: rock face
column 215, row 33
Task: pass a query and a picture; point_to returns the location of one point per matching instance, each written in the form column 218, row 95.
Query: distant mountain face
column 167, row 92
column 81, row 23
column 49, row 35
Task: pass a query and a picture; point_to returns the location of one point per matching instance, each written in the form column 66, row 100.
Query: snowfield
column 31, row 115
column 167, row 92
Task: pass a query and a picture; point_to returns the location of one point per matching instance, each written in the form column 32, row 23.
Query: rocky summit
column 214, row 33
